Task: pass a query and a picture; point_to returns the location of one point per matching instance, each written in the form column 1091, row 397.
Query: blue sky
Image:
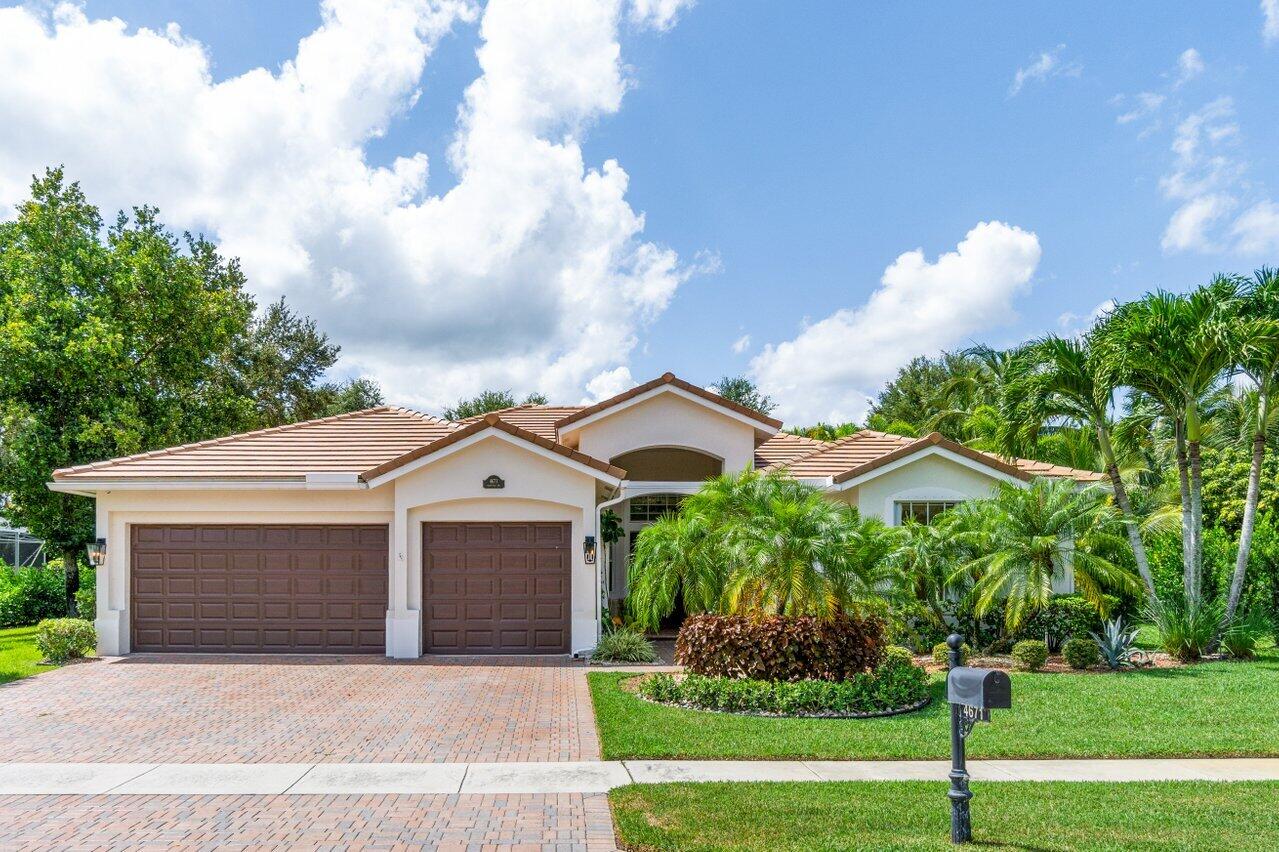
column 782, row 157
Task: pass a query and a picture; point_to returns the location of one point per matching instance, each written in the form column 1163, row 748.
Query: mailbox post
column 972, row 694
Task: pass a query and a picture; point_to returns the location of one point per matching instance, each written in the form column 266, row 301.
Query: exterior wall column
column 111, row 618
column 403, row 625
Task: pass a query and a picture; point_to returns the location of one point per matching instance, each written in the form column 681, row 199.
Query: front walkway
column 151, row 708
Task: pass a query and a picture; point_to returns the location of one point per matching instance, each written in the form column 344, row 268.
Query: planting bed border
column 874, row 714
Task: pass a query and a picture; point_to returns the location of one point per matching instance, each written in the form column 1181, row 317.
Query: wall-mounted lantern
column 97, row 552
column 588, row 549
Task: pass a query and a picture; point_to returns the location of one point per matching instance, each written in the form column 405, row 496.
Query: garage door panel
column 247, row 588
column 481, row 587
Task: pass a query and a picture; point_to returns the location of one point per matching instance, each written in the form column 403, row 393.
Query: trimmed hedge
column 1081, row 653
column 1030, row 654
column 941, row 654
column 62, row 639
column 780, row 648
column 895, row 686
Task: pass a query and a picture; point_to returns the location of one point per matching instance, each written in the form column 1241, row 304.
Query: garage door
column 496, row 588
column 259, row 588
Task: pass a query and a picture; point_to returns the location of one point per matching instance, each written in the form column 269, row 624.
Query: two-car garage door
column 488, row 588
column 259, row 588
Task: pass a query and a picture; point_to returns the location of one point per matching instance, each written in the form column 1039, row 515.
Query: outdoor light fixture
column 588, row 549
column 97, row 552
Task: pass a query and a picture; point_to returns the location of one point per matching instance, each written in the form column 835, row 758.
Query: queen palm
column 1258, row 354
column 1068, row 379
column 1177, row 349
column 1028, row 535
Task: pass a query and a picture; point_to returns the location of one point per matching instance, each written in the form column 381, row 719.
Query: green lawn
column 916, row 815
column 18, row 654
column 1218, row 709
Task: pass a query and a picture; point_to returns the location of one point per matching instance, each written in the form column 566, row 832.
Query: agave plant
column 1116, row 643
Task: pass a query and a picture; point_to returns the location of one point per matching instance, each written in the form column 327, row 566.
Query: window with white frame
column 922, row 511
column 650, row 507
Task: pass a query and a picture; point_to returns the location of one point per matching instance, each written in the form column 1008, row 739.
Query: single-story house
column 391, row 531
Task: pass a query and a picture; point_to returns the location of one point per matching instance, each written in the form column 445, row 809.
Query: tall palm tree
column 1068, row 379
column 1177, row 349
column 1258, row 356
column 1030, row 535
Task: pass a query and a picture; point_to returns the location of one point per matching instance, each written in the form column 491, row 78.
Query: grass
column 18, row 654
column 1225, row 709
column 916, row 815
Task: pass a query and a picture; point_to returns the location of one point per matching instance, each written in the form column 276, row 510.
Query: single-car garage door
column 259, row 588
column 496, row 588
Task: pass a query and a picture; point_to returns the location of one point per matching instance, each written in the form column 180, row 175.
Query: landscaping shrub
column 1081, row 653
column 624, row 646
column 1065, row 617
column 891, row 687
column 780, row 648
column 28, row 595
column 1030, row 654
column 1115, row 644
column 1240, row 639
column 86, row 598
column 1186, row 630
column 897, row 655
column 62, row 639
column 941, row 653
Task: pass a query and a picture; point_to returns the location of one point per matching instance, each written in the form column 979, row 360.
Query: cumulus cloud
column 1048, row 64
column 531, row 272
column 832, row 366
column 1257, row 229
column 1270, row 16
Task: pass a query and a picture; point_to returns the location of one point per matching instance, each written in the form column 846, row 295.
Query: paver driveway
column 171, row 709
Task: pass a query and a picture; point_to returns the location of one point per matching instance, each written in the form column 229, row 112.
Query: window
column 650, row 507
column 922, row 511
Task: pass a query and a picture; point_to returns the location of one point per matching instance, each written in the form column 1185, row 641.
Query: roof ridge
column 213, row 442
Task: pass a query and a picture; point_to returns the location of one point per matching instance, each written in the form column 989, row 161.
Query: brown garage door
column 255, row 588
column 496, row 588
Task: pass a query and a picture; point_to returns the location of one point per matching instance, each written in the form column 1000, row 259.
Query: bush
column 941, row 653
column 1081, row 653
column 1240, row 639
column 895, row 655
column 624, row 646
column 62, row 639
column 891, row 687
column 86, row 598
column 1030, row 654
column 1064, row 618
column 780, row 648
column 1186, row 630
column 28, row 595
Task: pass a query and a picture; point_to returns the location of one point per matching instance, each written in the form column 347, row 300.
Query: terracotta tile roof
column 495, row 421
column 784, row 447
column 867, row 450
column 668, row 379
column 538, row 419
column 347, row 443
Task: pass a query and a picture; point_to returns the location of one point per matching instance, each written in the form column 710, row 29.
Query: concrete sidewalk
column 570, row 777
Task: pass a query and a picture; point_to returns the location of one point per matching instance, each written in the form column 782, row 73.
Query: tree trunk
column 1249, row 522
column 1187, row 525
column 71, row 572
column 1125, row 510
column 1195, row 578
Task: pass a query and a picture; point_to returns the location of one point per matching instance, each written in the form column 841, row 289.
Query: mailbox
column 980, row 689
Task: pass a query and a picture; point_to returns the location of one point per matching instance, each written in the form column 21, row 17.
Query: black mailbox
column 981, row 689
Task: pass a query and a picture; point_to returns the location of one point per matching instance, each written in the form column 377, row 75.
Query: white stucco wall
column 668, row 420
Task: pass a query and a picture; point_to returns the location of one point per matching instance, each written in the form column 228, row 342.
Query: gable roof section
column 671, row 380
column 345, row 443
column 785, row 447
column 538, row 419
column 492, row 420
column 868, row 450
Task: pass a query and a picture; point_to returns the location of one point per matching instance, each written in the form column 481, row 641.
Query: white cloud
column 1071, row 324
column 1189, row 227
column 1189, row 66
column 607, row 384
column 830, row 368
column 1147, row 103
column 1257, row 229
column 1270, row 12
column 531, row 272
column 741, row 344
column 1203, row 178
column 658, row 14
column 1048, row 64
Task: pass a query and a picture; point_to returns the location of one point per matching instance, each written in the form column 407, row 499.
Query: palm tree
column 925, row 558
column 1258, row 356
column 1068, row 379
column 1177, row 349
column 1029, row 535
column 757, row 543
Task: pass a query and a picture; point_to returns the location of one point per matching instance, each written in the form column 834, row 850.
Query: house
column 390, row 531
